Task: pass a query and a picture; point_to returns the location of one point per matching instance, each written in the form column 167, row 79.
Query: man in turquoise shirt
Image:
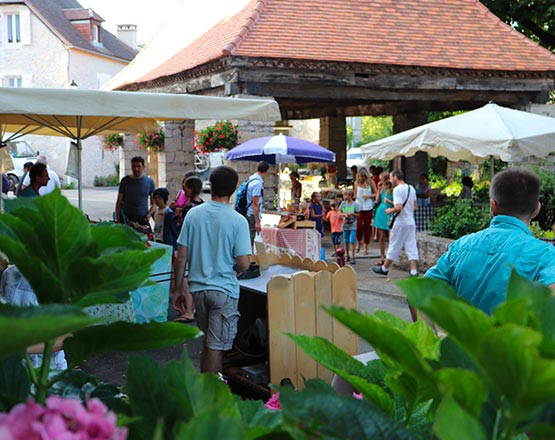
column 215, row 244
column 478, row 265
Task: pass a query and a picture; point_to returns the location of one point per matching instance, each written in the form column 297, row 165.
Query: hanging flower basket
column 152, row 142
column 222, row 136
column 112, row 142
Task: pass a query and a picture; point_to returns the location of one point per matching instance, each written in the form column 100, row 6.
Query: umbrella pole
column 279, row 187
column 79, row 164
column 79, row 174
column 491, row 167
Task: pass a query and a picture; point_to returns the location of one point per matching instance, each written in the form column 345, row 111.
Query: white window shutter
column 25, row 20
column 26, row 80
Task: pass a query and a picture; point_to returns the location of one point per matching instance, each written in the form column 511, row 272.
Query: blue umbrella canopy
column 280, row 149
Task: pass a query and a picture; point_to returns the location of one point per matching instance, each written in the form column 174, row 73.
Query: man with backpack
column 249, row 198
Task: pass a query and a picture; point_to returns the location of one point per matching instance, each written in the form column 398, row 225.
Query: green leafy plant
column 538, row 232
column 111, row 180
column 70, row 185
column 490, row 377
column 152, row 142
column 222, row 135
column 546, row 217
column 459, row 217
column 70, row 265
column 111, row 142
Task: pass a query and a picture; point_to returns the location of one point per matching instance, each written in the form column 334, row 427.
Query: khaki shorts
column 217, row 317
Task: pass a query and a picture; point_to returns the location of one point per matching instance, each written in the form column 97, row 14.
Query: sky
column 147, row 15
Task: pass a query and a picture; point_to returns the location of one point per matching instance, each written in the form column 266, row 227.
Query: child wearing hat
column 165, row 230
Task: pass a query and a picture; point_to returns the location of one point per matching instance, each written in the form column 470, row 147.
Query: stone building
column 338, row 58
column 54, row 43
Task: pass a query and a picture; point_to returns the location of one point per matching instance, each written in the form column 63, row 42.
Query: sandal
column 353, row 261
column 379, row 263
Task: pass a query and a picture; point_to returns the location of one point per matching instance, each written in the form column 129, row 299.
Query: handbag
column 391, row 221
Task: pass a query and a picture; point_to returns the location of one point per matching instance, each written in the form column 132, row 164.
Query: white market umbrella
column 79, row 114
column 491, row 131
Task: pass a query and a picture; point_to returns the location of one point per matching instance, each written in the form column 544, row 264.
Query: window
column 13, row 28
column 13, row 81
column 95, row 34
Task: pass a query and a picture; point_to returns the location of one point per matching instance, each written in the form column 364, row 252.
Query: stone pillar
column 249, row 130
column 128, row 151
column 417, row 164
column 333, row 136
column 178, row 156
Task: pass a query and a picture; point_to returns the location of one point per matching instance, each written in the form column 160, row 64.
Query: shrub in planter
column 459, row 217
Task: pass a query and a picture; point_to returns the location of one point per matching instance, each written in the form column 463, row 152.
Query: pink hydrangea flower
column 60, row 419
column 273, row 403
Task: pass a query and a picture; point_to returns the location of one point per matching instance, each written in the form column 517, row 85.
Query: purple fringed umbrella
column 280, row 149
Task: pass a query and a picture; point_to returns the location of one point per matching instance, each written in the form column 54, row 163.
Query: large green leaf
column 65, row 259
column 516, row 369
column 319, row 409
column 257, row 418
column 111, row 237
column 14, row 382
column 214, row 423
column 464, row 323
column 124, row 336
column 419, row 332
column 452, row 422
column 541, row 304
column 465, row 386
column 345, row 366
column 174, row 393
column 27, row 326
column 388, row 341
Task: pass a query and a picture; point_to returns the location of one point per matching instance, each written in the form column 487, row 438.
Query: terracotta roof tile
column 460, row 34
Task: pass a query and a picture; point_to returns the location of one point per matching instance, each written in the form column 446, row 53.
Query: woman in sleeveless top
column 384, row 200
column 365, row 194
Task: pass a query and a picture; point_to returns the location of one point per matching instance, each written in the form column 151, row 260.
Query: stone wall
column 430, row 248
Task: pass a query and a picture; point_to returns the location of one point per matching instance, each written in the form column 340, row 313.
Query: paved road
column 98, row 203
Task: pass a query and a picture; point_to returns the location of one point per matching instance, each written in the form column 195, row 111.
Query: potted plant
column 152, row 142
column 112, row 142
column 216, row 138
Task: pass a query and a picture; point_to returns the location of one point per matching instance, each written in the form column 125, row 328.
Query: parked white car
column 20, row 152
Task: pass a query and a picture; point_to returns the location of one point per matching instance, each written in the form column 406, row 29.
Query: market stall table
column 287, row 297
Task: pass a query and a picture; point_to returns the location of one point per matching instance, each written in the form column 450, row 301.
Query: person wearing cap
column 52, row 184
column 165, row 230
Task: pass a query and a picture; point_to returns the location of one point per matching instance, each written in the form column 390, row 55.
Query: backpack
column 241, row 205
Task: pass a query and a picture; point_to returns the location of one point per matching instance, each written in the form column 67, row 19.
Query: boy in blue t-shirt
column 215, row 243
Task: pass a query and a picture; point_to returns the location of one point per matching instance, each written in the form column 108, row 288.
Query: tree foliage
column 535, row 19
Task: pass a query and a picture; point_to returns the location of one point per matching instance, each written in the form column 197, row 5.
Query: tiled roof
column 52, row 13
column 456, row 34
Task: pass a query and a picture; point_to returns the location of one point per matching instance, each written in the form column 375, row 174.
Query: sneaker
column 413, row 275
column 379, row 270
column 348, row 259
